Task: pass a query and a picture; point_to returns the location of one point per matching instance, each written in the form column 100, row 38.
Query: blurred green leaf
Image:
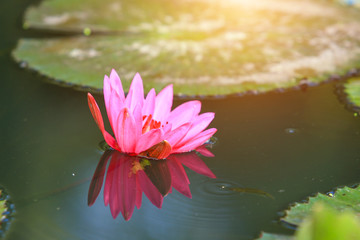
column 352, row 90
column 202, row 47
column 327, row 223
column 3, row 209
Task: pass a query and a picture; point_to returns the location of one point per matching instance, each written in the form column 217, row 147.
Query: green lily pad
column 202, row 47
column 3, row 207
column 323, row 222
column 5, row 212
column 343, row 199
column 352, row 90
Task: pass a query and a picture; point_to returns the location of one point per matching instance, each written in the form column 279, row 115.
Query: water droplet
column 330, row 194
column 73, row 174
column 291, row 130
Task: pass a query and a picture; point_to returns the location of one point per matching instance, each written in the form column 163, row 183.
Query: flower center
column 149, row 123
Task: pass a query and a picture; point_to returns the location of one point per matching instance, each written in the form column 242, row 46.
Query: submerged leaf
column 274, row 44
column 253, row 191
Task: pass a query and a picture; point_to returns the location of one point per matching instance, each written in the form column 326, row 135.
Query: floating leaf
column 323, row 222
column 202, row 47
column 343, row 199
column 5, row 212
column 3, row 208
column 352, row 91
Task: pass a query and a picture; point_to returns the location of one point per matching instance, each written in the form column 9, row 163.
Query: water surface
column 289, row 145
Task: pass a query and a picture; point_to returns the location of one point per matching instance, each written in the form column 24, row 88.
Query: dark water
column 289, row 145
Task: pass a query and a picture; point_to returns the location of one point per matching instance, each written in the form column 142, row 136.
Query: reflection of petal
column 204, row 151
column 150, row 190
column 159, row 174
column 98, row 178
column 126, row 185
column 194, row 162
column 127, row 177
column 180, row 181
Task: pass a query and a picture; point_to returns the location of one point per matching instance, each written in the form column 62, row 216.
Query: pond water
column 289, row 145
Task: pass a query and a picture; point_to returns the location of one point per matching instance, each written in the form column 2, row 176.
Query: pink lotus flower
column 127, row 177
column 147, row 126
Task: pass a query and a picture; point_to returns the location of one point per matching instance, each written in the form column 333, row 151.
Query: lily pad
column 323, row 222
column 343, row 199
column 3, row 207
column 202, row 47
column 352, row 91
column 5, row 212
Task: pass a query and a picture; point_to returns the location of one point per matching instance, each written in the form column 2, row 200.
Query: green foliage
column 327, row 223
column 352, row 90
column 331, row 216
column 324, row 223
column 343, row 199
column 3, row 209
column 272, row 45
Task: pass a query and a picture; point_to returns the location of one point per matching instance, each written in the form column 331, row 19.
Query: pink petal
column 184, row 113
column 148, row 140
column 126, row 131
column 137, row 92
column 138, row 121
column 115, row 84
column 106, row 90
column 149, row 103
column 174, row 136
column 200, row 123
column 194, row 162
column 128, row 99
column 196, row 141
column 95, row 111
column 204, row 151
column 163, row 103
column 113, row 108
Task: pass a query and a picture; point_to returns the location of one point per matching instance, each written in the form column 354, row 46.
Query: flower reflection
column 127, row 177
